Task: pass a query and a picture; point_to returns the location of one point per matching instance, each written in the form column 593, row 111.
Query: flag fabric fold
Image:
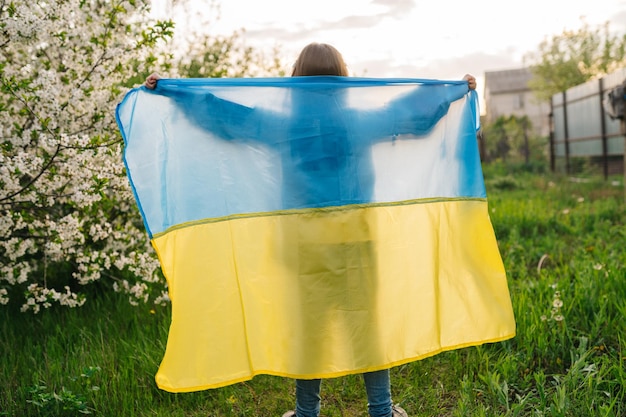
column 313, row 227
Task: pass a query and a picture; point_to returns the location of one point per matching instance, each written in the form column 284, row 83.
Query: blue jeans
column 377, row 386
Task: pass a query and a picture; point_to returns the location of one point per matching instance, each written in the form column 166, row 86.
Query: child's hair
column 319, row 59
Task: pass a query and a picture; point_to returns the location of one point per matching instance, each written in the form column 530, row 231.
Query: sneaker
column 290, row 413
column 397, row 411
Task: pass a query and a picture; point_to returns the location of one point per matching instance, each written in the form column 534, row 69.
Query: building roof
column 498, row 82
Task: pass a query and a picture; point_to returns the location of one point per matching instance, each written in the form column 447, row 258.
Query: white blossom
column 4, row 296
column 64, row 196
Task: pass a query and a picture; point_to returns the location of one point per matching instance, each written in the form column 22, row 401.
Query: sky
column 440, row 39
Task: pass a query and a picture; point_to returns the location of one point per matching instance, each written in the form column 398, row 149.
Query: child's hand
column 471, row 81
column 151, row 81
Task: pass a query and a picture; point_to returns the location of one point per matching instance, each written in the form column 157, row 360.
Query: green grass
column 563, row 244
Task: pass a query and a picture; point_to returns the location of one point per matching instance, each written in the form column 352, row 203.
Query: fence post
column 605, row 146
column 551, row 137
column 566, row 133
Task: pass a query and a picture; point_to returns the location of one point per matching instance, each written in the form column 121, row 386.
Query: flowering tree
column 67, row 215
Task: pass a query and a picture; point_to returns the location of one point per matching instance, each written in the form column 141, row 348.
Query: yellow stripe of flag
column 324, row 293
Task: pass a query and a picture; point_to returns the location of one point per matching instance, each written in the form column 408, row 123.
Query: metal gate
column 580, row 126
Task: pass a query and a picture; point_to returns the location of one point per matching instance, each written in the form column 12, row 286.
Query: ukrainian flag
column 312, row 227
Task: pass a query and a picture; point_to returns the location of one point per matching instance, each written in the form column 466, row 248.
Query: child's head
column 319, row 59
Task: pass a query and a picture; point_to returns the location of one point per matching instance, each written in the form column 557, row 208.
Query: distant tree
column 574, row 57
column 199, row 53
column 225, row 56
column 496, row 141
column 510, row 139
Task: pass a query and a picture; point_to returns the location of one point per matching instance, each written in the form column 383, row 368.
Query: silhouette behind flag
column 314, row 227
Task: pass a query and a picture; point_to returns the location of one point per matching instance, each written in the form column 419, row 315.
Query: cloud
column 351, row 22
column 397, row 8
column 618, row 20
column 276, row 33
column 452, row 68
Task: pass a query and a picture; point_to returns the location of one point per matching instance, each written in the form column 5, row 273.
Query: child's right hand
column 471, row 81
